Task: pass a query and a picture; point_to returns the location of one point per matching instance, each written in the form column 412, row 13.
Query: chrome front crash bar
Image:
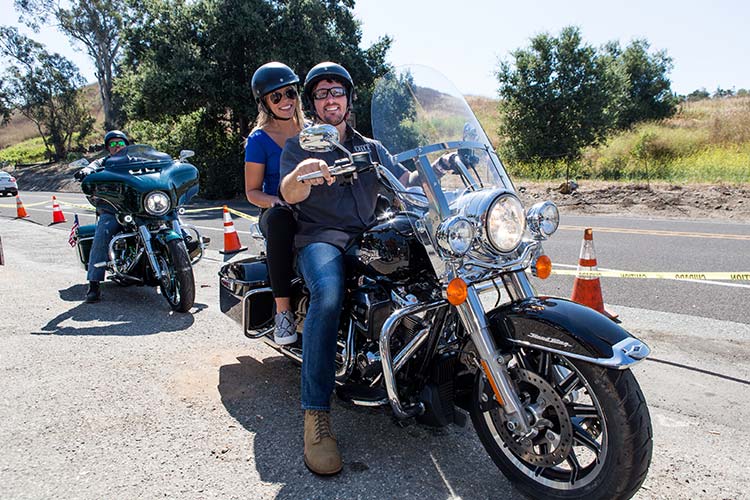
column 389, row 369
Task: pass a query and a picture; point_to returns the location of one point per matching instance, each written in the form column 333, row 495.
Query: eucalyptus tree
column 97, row 26
column 45, row 88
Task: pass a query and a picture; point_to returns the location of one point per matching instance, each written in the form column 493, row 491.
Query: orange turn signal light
column 457, row 291
column 543, row 267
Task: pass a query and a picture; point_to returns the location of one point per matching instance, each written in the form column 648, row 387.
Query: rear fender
column 565, row 327
column 245, row 294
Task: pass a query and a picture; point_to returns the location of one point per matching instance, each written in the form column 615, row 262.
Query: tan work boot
column 321, row 452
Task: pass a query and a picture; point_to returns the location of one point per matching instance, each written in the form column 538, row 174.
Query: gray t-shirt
column 337, row 213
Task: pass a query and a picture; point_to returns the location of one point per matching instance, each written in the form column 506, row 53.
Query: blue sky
column 709, row 44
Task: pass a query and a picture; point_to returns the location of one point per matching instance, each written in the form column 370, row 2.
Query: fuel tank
column 389, row 249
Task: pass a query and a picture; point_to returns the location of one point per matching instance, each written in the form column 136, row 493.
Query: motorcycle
column 546, row 381
column 147, row 190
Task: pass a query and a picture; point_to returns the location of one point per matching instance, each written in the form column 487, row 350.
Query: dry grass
column 21, row 128
column 488, row 115
column 706, row 141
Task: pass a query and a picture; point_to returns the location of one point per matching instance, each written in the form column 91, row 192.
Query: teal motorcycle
column 146, row 190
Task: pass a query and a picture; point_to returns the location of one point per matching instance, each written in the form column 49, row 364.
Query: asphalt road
column 126, row 399
column 621, row 243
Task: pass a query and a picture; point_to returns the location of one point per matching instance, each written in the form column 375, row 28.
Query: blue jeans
column 322, row 267
column 106, row 227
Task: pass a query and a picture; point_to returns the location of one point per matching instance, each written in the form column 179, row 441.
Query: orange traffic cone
column 57, row 215
column 587, row 290
column 20, row 211
column 231, row 238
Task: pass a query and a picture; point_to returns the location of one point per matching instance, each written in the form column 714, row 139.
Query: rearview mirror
column 319, row 138
column 80, row 163
column 185, row 154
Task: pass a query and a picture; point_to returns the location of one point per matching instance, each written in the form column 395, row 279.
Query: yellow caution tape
column 82, row 207
column 743, row 276
column 190, row 211
column 197, row 210
column 240, row 214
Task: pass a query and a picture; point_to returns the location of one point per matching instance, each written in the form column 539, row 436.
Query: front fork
column 146, row 237
column 492, row 362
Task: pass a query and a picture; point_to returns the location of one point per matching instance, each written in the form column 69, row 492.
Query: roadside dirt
column 694, row 201
column 656, row 199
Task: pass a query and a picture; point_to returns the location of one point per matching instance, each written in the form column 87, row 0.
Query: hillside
column 21, row 128
column 706, row 141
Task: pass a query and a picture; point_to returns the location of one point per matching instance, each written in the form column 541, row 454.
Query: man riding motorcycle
column 329, row 216
column 107, row 225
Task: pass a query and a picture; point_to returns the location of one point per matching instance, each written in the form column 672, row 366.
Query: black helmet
column 115, row 134
column 271, row 76
column 327, row 71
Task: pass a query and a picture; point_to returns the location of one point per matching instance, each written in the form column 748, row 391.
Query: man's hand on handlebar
column 445, row 164
column 82, row 173
column 311, row 165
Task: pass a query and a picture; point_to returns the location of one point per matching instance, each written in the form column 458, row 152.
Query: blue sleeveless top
column 262, row 149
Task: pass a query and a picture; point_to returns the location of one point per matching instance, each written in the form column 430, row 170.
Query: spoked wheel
column 591, row 432
column 178, row 283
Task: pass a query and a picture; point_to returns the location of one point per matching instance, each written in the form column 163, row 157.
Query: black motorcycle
column 441, row 320
column 146, row 189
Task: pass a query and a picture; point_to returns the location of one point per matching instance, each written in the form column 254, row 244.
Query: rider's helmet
column 269, row 77
column 115, row 134
column 327, row 71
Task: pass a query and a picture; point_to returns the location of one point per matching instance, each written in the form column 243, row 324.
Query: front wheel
column 178, row 283
column 591, row 431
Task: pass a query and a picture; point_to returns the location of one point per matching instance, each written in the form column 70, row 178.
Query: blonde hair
column 264, row 118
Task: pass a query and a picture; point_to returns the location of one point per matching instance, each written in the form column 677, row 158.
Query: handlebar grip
column 311, row 175
column 335, row 170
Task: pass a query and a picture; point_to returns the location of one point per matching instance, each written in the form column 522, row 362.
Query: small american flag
column 72, row 240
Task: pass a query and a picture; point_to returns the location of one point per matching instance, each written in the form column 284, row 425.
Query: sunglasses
column 321, row 94
column 290, row 93
column 114, row 144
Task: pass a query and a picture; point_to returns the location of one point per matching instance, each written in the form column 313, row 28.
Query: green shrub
column 28, row 151
column 218, row 156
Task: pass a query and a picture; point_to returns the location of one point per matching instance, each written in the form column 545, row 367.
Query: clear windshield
column 422, row 119
column 417, row 107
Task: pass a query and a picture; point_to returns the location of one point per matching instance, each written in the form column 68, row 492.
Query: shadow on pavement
column 381, row 460
column 127, row 311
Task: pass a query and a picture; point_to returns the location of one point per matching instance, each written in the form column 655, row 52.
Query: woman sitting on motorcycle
column 279, row 118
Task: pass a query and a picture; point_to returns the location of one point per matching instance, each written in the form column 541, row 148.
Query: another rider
column 329, row 216
column 280, row 117
column 106, row 224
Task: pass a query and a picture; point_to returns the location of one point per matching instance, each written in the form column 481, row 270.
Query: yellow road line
column 659, row 232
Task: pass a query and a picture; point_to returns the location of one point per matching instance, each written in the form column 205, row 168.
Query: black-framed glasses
column 321, row 94
column 117, row 143
column 290, row 93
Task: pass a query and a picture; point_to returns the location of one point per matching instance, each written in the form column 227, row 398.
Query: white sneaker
column 285, row 331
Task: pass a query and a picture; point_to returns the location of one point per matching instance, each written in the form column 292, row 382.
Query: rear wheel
column 178, row 283
column 591, row 435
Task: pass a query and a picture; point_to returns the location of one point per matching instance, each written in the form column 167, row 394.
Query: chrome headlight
column 157, row 203
column 543, row 219
column 505, row 223
column 455, row 235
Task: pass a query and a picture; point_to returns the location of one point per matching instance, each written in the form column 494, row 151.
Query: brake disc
column 551, row 436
